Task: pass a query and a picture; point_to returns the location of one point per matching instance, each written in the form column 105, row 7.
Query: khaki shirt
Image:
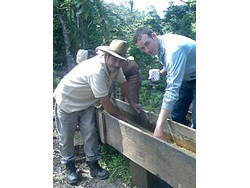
column 85, row 84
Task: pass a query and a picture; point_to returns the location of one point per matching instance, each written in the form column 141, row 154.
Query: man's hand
column 136, row 107
column 158, row 132
column 154, row 74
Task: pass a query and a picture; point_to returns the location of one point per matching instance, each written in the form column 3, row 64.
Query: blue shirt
column 178, row 55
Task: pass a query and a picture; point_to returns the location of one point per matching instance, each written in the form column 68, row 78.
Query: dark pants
column 187, row 94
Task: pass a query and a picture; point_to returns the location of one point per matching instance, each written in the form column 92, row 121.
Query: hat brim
column 105, row 49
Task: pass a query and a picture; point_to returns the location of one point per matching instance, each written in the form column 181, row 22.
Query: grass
column 116, row 163
column 113, row 161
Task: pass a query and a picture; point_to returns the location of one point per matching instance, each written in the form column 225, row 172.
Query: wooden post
column 140, row 177
column 101, row 126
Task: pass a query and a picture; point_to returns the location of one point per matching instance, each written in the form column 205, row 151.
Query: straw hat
column 117, row 48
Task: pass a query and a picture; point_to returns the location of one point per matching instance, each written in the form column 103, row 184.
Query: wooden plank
column 181, row 135
column 171, row 164
column 185, row 137
column 101, row 126
column 142, row 119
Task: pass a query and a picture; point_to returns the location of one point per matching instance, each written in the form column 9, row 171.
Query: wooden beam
column 181, row 135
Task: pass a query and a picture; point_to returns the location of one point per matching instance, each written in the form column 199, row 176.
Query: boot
column 71, row 175
column 97, row 171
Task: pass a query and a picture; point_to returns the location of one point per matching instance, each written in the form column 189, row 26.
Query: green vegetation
column 116, row 163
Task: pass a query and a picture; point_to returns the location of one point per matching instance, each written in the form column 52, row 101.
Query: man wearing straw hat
column 75, row 96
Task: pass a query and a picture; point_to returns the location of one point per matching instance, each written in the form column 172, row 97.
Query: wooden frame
column 173, row 159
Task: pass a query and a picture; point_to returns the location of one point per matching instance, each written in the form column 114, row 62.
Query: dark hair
column 141, row 31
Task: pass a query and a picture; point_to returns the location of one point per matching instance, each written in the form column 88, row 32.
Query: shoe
column 97, row 171
column 71, row 175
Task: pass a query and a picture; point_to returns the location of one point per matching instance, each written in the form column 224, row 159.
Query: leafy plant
column 151, row 97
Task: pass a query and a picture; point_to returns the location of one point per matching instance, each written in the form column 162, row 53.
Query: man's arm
column 174, row 79
column 158, row 132
column 111, row 108
column 125, row 90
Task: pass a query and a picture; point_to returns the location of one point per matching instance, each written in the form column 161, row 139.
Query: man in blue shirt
column 178, row 55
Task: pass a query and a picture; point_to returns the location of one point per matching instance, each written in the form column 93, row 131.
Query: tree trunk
column 69, row 57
